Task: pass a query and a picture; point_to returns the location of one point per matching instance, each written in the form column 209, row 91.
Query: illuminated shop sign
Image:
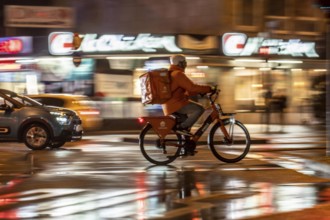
column 60, row 43
column 238, row 44
column 15, row 45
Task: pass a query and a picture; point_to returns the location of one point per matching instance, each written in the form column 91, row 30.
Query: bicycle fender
column 144, row 128
column 161, row 125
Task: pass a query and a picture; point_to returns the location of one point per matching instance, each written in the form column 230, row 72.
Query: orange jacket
column 182, row 87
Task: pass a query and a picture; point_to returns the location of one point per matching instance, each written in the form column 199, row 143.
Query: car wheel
column 36, row 137
column 57, row 144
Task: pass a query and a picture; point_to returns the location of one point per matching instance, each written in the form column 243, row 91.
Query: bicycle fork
column 214, row 116
column 228, row 135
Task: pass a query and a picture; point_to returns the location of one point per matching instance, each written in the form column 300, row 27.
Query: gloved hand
column 214, row 89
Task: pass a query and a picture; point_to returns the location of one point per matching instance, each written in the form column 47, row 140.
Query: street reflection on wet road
column 113, row 181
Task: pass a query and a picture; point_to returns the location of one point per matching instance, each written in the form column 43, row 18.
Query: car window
column 50, row 101
column 3, row 101
column 26, row 101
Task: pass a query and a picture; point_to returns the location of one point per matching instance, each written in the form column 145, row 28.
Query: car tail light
column 141, row 120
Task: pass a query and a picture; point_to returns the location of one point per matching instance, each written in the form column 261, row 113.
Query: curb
column 201, row 142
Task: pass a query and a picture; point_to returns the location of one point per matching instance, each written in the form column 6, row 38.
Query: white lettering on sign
column 60, row 43
column 237, row 44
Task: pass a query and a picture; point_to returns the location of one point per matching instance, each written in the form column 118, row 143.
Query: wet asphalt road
column 102, row 177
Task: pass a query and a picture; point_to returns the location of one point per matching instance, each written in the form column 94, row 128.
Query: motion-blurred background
column 268, row 57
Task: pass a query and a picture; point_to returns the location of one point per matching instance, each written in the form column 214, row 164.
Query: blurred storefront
column 244, row 67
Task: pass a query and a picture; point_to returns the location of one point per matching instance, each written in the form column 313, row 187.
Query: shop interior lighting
column 26, row 61
column 53, row 58
column 239, row 68
column 264, row 69
column 299, row 84
column 296, row 70
column 128, row 58
column 320, row 70
column 12, row 66
column 192, row 58
column 245, row 73
column 202, row 67
column 11, row 59
column 285, row 61
column 250, row 60
column 141, row 69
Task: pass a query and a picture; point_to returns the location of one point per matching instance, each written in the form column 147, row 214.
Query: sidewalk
column 260, row 134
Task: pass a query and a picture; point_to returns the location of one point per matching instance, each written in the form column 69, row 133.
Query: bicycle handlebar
column 214, row 93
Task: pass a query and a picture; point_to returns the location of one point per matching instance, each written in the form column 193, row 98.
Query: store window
column 276, row 15
column 248, row 90
column 304, row 8
column 275, row 8
column 246, row 14
column 303, row 25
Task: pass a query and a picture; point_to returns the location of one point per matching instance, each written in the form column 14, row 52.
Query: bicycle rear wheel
column 154, row 151
column 234, row 151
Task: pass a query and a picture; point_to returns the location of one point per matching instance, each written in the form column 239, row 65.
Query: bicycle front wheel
column 229, row 152
column 156, row 152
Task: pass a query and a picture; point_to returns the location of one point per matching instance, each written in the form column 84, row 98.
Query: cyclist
column 182, row 88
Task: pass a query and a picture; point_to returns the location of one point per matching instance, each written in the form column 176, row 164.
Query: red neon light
column 11, row 46
column 68, row 45
column 239, row 46
column 264, row 50
column 7, row 61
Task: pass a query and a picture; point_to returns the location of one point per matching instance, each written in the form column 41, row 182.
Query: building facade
column 195, row 26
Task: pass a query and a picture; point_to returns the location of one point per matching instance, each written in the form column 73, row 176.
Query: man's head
column 179, row 60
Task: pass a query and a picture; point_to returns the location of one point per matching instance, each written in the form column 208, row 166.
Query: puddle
column 230, row 198
column 168, row 192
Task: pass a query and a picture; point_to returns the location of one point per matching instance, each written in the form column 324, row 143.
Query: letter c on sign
column 233, row 43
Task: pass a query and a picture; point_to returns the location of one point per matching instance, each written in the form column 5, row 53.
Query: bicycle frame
column 214, row 116
column 163, row 125
column 161, row 144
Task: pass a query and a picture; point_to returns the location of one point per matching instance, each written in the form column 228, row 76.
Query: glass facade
column 116, row 87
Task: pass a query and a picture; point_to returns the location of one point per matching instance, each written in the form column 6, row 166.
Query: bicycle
column 228, row 139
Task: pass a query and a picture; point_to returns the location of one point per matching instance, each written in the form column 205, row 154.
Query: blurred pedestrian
column 279, row 104
column 268, row 97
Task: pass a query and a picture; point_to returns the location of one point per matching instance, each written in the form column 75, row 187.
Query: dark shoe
column 187, row 152
column 158, row 145
column 189, row 148
column 184, row 132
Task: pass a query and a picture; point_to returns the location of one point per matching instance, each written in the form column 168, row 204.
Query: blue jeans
column 193, row 110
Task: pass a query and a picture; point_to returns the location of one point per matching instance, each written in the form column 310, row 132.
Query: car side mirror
column 5, row 107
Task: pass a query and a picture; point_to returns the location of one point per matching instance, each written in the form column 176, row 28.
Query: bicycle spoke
column 232, row 151
column 156, row 151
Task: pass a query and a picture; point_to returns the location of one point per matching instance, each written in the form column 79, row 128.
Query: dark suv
column 24, row 120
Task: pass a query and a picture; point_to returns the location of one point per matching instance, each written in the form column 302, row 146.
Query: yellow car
column 83, row 105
